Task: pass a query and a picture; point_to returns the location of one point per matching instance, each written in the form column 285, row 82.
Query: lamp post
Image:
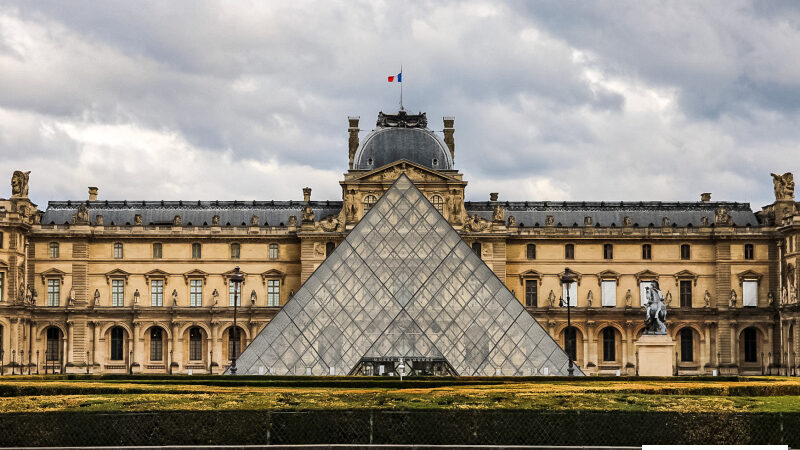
column 236, row 278
column 566, row 280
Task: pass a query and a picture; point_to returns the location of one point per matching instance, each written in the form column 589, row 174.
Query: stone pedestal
column 655, row 355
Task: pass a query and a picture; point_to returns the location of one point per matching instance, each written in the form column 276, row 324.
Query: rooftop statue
column 19, row 184
column 784, row 186
column 655, row 311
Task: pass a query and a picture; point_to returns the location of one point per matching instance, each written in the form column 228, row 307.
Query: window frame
column 236, row 250
column 685, row 295
column 609, row 348
column 687, row 344
column 52, row 343
column 157, row 298
column 156, row 344
column 117, row 292
column 569, row 251
column 54, row 250
column 118, row 251
column 647, row 252
column 531, row 288
column 438, row 202
column 608, row 302
column 530, row 252
column 477, row 249
column 234, row 342
column 686, row 252
column 196, row 296
column 117, row 344
column 750, row 347
column 53, row 291
column 273, row 250
column 368, row 202
column 608, row 251
column 197, row 250
column 749, row 251
column 160, row 253
column 195, row 344
column 273, row 292
column 232, row 288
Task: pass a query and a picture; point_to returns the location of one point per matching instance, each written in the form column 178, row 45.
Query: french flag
column 398, row 78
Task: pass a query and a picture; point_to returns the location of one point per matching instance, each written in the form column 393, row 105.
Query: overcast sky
column 554, row 100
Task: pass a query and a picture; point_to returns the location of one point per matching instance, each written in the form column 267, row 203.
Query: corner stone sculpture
column 655, row 311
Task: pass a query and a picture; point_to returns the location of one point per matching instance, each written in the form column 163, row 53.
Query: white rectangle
column 750, row 293
column 573, row 294
column 642, row 292
column 609, row 293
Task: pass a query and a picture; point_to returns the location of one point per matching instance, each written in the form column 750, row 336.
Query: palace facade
column 105, row 286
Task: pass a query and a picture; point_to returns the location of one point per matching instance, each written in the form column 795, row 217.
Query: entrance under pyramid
column 403, row 289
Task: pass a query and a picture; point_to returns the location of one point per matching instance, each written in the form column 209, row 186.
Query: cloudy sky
column 554, row 100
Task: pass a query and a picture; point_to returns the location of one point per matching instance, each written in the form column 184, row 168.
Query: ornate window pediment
column 157, row 274
column 608, row 275
column 393, row 170
column 686, row 275
column 196, row 273
column 117, row 273
column 645, row 275
column 272, row 274
column 531, row 275
column 3, row 265
column 575, row 275
column 227, row 276
column 52, row 273
column 748, row 275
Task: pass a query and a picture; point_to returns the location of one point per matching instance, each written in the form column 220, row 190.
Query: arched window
column 438, row 203
column 750, row 345
column 687, row 345
column 476, row 247
column 749, row 252
column 156, row 344
column 197, row 250
column 236, row 251
column 157, row 251
column 530, row 251
column 195, row 344
column 369, row 202
column 686, row 251
column 570, row 342
column 118, row 250
column 53, row 350
column 609, row 345
column 273, row 251
column 647, row 252
column 234, row 342
column 569, row 251
column 329, row 248
column 117, row 343
column 608, row 251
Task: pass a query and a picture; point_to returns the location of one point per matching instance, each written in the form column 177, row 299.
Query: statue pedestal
column 655, row 355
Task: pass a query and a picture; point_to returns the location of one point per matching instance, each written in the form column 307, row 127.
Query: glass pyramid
column 403, row 285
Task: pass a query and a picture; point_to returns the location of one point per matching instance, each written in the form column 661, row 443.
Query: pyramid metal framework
column 403, row 284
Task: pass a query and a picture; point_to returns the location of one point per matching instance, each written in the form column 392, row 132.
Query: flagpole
column 401, row 87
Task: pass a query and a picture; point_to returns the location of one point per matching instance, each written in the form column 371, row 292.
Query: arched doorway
column 53, row 349
column 117, row 345
column 156, row 345
column 234, row 342
column 196, row 348
column 609, row 343
column 750, row 351
column 687, row 347
column 571, row 340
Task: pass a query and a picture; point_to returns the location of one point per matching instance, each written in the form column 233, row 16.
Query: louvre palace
column 400, row 266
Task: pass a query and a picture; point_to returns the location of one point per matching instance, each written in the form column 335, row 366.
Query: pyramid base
column 655, row 355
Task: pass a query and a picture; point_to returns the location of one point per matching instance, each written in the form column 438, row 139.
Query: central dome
column 402, row 136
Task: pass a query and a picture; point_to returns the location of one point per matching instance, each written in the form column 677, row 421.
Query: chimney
column 448, row 135
column 705, row 197
column 307, row 194
column 92, row 193
column 493, row 196
column 353, row 145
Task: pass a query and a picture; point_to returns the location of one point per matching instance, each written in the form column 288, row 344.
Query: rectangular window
column 157, row 293
column 750, row 293
column 2, row 285
column 530, row 251
column 573, row 294
column 608, row 251
column 156, row 348
column 531, row 293
column 197, row 251
column 233, row 291
column 118, row 251
column 195, row 292
column 643, row 292
column 647, row 251
column 273, row 251
column 749, row 251
column 569, row 251
column 117, row 292
column 273, row 292
column 686, row 293
column 236, row 251
column 54, row 250
column 1, row 239
column 157, row 251
column 609, row 291
column 53, row 292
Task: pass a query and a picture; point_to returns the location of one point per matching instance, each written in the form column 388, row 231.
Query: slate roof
column 196, row 213
column 387, row 145
column 607, row 213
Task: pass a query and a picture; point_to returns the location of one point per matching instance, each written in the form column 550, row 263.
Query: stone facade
column 142, row 287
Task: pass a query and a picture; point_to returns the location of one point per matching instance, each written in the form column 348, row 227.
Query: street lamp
column 566, row 280
column 236, row 278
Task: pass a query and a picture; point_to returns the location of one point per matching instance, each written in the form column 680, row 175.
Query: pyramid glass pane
column 403, row 285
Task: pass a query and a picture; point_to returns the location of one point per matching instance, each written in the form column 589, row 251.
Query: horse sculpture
column 655, row 311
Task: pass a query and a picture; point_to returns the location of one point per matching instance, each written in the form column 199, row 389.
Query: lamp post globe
column 236, row 278
column 567, row 279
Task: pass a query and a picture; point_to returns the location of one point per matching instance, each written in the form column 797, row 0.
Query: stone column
column 734, row 345
column 177, row 349
column 138, row 348
column 69, row 343
column 705, row 356
column 770, row 362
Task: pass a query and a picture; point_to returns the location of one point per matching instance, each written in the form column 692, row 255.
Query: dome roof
column 402, row 136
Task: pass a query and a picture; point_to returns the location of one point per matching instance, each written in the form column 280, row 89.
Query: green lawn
column 757, row 394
